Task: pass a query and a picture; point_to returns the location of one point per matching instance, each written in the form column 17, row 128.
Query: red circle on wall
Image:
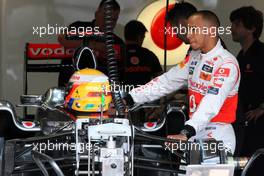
column 157, row 31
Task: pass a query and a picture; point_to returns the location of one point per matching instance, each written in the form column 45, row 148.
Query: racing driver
column 212, row 76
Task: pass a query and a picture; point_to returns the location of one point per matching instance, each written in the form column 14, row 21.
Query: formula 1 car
column 74, row 135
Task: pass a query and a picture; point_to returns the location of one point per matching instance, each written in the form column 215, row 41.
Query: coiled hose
column 112, row 61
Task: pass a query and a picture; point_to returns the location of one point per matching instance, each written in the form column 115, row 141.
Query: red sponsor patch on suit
column 222, row 72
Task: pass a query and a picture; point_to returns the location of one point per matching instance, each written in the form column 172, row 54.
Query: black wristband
column 129, row 100
column 189, row 131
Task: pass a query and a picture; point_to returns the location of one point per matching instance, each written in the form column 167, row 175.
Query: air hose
column 258, row 153
column 112, row 61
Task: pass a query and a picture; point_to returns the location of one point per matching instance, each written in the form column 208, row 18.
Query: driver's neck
column 209, row 45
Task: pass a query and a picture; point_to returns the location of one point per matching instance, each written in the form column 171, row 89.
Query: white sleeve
column 173, row 80
column 224, row 84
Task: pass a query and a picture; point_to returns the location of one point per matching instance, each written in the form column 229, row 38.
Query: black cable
column 165, row 35
column 112, row 61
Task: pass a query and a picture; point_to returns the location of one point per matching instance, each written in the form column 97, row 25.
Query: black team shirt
column 251, row 63
column 141, row 65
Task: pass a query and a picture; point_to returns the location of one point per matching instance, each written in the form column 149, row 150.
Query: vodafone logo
column 157, row 31
column 222, row 72
column 44, row 51
column 50, row 51
column 153, row 17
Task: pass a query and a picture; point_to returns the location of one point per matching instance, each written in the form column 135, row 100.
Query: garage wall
column 17, row 17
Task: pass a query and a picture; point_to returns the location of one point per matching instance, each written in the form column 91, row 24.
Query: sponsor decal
column 45, row 51
column 193, row 62
column 210, row 128
column 215, row 59
column 210, row 134
column 205, row 76
column 207, row 68
column 191, row 70
column 213, row 90
column 218, row 82
column 222, row 72
column 209, row 63
column 75, row 78
column 197, row 85
column 192, row 104
column 150, row 125
column 138, row 69
column 89, row 106
column 134, row 60
column 70, row 103
column 28, row 124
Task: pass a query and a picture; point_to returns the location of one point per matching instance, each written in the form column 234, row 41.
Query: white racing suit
column 213, row 80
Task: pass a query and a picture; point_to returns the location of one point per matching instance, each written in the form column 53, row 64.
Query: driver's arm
column 173, row 80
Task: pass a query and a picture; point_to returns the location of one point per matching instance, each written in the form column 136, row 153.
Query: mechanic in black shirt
column 247, row 25
column 98, row 47
column 141, row 64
